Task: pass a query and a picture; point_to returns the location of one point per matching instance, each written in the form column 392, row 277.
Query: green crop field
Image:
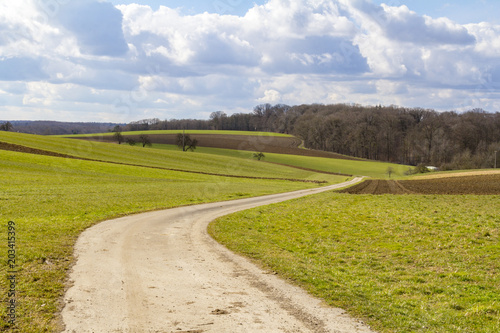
column 224, row 165
column 358, row 168
column 53, row 199
column 409, row 263
column 352, row 167
column 180, row 131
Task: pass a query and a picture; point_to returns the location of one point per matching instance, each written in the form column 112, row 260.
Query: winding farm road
column 162, row 272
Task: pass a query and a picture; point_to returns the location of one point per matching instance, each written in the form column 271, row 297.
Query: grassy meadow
column 358, row 168
column 172, row 158
column 409, row 263
column 53, row 199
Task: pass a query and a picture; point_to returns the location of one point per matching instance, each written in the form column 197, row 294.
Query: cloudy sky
column 125, row 60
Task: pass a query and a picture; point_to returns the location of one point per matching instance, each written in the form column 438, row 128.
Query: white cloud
column 96, row 25
column 270, row 96
column 488, row 39
column 129, row 61
column 402, row 24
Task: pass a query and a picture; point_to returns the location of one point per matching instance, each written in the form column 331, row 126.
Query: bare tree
column 185, row 142
column 259, row 156
column 217, row 119
column 389, row 171
column 118, row 134
column 145, row 140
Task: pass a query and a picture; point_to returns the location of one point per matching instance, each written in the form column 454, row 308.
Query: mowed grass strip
column 52, row 200
column 409, row 263
column 224, row 165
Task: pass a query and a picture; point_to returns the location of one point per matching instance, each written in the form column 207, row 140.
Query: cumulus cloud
column 130, row 60
column 402, row 24
column 96, row 25
column 271, row 97
column 20, row 68
column 488, row 39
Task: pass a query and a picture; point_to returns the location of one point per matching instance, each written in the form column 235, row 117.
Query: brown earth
column 479, row 185
column 24, row 149
column 259, row 143
column 377, row 186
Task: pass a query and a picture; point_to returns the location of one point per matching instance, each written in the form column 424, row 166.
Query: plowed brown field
column 481, row 185
column 265, row 144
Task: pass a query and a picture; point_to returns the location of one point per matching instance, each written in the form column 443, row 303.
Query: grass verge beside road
column 409, row 263
column 53, row 199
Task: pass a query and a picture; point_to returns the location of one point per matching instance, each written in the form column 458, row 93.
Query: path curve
column 161, row 272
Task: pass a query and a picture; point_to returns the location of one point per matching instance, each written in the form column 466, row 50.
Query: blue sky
column 461, row 11
column 232, row 7
column 121, row 61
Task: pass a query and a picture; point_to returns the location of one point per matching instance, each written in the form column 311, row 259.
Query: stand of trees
column 412, row 136
column 43, row 127
column 7, row 126
column 448, row 140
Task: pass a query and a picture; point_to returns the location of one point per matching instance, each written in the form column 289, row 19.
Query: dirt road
column 162, row 272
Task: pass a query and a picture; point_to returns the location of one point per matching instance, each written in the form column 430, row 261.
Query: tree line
column 43, row 127
column 411, row 136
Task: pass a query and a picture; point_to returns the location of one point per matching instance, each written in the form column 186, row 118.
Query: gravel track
column 162, row 272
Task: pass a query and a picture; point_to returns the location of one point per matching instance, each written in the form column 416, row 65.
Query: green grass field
column 52, row 200
column 218, row 164
column 180, row 131
column 407, row 263
column 352, row 167
column 403, row 263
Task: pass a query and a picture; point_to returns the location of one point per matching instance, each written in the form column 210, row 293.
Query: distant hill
column 43, row 127
column 253, row 141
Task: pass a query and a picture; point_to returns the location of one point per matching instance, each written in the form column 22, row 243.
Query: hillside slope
column 52, row 199
column 173, row 160
column 248, row 141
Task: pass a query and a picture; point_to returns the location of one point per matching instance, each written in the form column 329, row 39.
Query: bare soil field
column 487, row 184
column 377, row 186
column 265, row 144
column 460, row 174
